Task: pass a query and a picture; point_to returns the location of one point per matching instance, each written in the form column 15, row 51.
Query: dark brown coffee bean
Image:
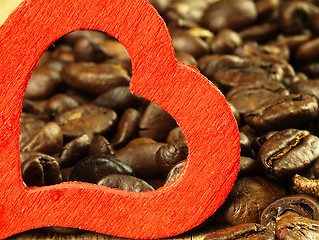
column 41, row 170
column 169, row 155
column 93, row 168
column 63, row 53
column 292, row 111
column 100, row 146
column 175, row 134
column 292, row 42
column 186, row 58
column 66, row 173
column 248, row 231
column 186, row 42
column 119, row 99
column 229, row 14
column 174, row 172
column 225, row 42
column 292, row 225
column 248, row 198
column 302, row 204
column 248, row 167
column 85, row 50
column 267, row 9
column 36, row 107
column 63, row 230
column 75, row 150
column 140, row 141
column 60, row 103
column 142, row 159
column 92, row 35
column 307, row 52
column 94, row 78
column 114, row 49
column 260, row 33
column 43, row 83
column 28, row 129
column 86, row 119
column 288, row 152
column 48, row 140
column 127, row 128
column 125, row 183
column 248, row 97
column 295, row 16
column 156, row 123
column 245, row 145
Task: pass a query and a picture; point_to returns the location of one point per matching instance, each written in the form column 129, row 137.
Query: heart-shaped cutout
column 198, row 107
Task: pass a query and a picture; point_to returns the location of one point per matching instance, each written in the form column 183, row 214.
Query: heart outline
column 209, row 121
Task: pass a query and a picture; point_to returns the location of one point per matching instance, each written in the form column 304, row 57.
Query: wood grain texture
column 196, row 104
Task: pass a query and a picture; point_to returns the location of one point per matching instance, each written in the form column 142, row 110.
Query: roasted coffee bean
column 306, row 86
column 75, row 150
column 229, row 14
column 94, row 78
column 225, row 42
column 155, row 123
column 93, row 168
column 48, row 140
column 86, row 119
column 119, row 98
column 292, row 111
column 248, row 167
column 267, row 9
column 41, row 170
column 302, row 204
column 295, row 16
column 288, row 152
column 306, row 52
column 260, row 33
column 127, row 128
column 28, row 129
column 140, row 141
column 42, row 84
column 245, row 145
column 174, row 172
column 248, row 231
column 247, row 98
column 100, row 146
column 60, row 103
column 174, row 134
column 292, row 225
column 186, row 58
column 125, row 183
column 169, row 155
column 141, row 158
column 63, row 230
column 248, row 198
column 114, row 49
column 184, row 41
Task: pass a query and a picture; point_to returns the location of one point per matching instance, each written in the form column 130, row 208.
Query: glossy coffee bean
column 288, row 152
column 41, row 170
column 174, row 172
column 48, row 140
column 28, row 129
column 225, row 42
column 94, row 78
column 248, row 167
column 229, row 14
column 93, row 168
column 125, row 183
column 170, row 154
column 292, row 111
column 302, row 204
column 75, row 150
column 60, row 103
column 100, row 146
column 249, row 197
column 155, row 123
column 141, row 158
column 86, row 119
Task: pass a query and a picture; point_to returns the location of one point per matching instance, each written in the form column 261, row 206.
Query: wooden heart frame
column 194, row 102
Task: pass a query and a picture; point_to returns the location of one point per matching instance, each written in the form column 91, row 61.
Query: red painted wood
column 197, row 106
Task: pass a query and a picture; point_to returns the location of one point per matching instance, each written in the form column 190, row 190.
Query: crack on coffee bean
column 292, row 144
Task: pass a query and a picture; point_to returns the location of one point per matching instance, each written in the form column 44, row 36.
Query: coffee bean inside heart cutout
column 197, row 106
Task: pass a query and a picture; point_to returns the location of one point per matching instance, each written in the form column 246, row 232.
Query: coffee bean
column 174, row 172
column 288, row 152
column 41, row 170
column 249, row 197
column 225, row 42
column 93, row 168
column 125, row 183
column 60, row 103
column 100, row 146
column 169, row 155
column 292, row 111
column 94, row 78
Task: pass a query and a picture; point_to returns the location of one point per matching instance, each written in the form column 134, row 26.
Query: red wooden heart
column 199, row 108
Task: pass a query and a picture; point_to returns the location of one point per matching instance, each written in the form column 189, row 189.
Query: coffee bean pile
column 81, row 123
